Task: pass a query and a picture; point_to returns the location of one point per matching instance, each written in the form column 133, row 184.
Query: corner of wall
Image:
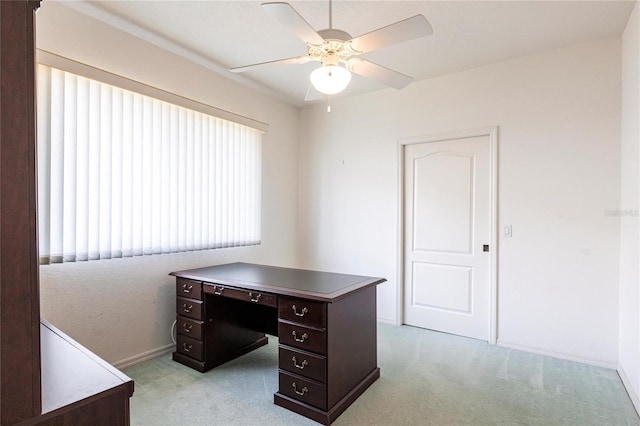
column 629, row 286
column 633, row 395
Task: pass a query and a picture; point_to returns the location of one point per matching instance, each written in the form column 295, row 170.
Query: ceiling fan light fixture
column 330, row 79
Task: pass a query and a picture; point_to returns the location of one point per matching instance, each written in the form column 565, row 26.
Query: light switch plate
column 506, row 231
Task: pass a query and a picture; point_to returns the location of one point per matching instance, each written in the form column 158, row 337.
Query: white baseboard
column 128, row 362
column 627, row 384
column 568, row 357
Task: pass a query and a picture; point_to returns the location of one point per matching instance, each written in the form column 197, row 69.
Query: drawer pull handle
column 187, row 327
column 301, row 339
column 218, row 290
column 187, row 288
column 299, row 314
column 187, row 308
column 299, row 392
column 187, row 347
column 256, row 299
column 300, row 366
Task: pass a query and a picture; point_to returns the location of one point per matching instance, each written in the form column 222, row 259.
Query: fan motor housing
column 333, row 50
column 333, row 34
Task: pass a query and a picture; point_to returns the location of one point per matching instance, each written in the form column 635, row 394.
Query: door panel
column 448, row 179
column 443, row 287
column 447, row 221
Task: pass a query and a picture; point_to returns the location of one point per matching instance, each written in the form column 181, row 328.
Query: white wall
column 559, row 117
column 559, row 171
column 123, row 308
column 629, row 351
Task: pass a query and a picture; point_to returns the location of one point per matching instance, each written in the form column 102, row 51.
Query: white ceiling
column 467, row 34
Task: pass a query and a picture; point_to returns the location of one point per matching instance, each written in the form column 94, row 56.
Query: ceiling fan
column 339, row 53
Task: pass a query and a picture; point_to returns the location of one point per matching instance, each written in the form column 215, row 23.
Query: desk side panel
column 351, row 342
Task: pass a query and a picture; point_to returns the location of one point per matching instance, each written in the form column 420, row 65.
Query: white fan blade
column 414, row 27
column 288, row 16
column 312, row 94
column 296, row 60
column 379, row 73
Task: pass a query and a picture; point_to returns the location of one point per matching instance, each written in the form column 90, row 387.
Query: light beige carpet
column 427, row 378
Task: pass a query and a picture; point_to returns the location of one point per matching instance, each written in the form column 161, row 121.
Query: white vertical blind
column 122, row 174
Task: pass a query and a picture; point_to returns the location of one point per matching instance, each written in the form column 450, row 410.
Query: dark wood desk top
column 315, row 285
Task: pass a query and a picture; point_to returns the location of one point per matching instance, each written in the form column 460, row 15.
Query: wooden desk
column 326, row 324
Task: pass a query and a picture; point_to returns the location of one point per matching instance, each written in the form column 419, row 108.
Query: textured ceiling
column 467, row 34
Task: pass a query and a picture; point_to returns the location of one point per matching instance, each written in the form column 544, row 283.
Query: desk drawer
column 304, row 390
column 256, row 297
column 302, row 311
column 303, row 363
column 189, row 288
column 301, row 337
column 189, row 308
column 190, row 347
column 189, row 327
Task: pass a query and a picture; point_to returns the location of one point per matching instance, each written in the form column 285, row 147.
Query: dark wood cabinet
column 19, row 294
column 42, row 382
column 326, row 324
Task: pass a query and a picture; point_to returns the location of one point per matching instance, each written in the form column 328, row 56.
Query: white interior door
column 447, row 223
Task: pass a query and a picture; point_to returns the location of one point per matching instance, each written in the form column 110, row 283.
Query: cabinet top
column 315, row 285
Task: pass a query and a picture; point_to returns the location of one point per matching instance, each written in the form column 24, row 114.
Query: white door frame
column 492, row 133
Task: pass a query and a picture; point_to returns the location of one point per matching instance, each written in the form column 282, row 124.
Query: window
column 123, row 174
